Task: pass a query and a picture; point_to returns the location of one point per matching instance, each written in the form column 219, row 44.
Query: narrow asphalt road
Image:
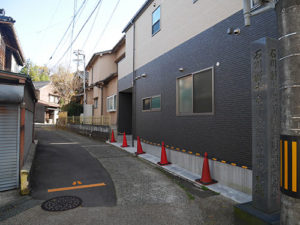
column 136, row 192
column 61, row 164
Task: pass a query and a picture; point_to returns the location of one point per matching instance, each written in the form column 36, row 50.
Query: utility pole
column 288, row 18
column 80, row 53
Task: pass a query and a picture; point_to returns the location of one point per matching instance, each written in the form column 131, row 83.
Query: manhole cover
column 61, row 203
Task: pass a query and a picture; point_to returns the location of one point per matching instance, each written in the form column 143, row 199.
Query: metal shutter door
column 9, row 147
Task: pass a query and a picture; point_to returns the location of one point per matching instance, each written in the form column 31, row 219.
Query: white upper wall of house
column 125, row 66
column 180, row 20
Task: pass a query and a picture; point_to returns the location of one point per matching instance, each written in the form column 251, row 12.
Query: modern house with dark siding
column 187, row 74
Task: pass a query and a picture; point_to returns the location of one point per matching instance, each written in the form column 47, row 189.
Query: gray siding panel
column 125, row 83
column 9, row 147
column 226, row 135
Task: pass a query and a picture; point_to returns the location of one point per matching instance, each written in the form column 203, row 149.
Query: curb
column 25, row 171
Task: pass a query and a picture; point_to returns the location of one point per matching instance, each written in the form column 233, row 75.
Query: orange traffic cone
column 163, row 160
column 124, row 141
column 112, row 138
column 206, row 179
column 139, row 147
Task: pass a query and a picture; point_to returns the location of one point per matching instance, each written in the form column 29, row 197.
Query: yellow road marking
column 294, row 166
column 76, row 187
column 286, row 165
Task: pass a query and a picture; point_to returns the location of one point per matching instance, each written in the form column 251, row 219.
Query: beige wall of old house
column 97, row 97
column 120, row 51
column 103, row 67
column 110, row 89
column 179, row 21
column 45, row 91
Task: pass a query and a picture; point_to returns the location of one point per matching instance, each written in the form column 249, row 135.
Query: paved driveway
column 143, row 194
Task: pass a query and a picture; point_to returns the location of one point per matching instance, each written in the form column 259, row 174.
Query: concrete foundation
column 246, row 214
column 232, row 176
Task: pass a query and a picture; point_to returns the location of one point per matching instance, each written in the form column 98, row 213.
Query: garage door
column 9, row 147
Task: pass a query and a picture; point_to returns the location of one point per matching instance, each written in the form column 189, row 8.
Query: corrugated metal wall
column 28, row 132
column 9, row 146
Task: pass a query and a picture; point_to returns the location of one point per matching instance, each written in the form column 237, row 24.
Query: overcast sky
column 40, row 25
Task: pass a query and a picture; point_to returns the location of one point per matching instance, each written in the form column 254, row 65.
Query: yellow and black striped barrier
column 289, row 168
column 195, row 153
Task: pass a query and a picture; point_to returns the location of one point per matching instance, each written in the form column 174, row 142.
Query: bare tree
column 65, row 84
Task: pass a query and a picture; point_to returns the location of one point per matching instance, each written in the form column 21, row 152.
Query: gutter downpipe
column 247, row 15
column 102, row 100
column 22, row 133
column 133, row 85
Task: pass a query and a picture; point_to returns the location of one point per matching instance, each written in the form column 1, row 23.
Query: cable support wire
column 88, row 36
column 106, row 25
column 79, row 31
column 67, row 29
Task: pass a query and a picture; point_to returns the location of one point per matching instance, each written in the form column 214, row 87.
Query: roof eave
column 137, row 15
column 91, row 61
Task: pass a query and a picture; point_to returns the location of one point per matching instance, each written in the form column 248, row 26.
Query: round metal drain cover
column 61, row 203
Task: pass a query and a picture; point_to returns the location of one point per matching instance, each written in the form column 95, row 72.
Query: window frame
column 152, row 110
column 55, row 98
column 213, row 93
column 152, row 24
column 114, row 103
column 253, row 6
column 95, row 106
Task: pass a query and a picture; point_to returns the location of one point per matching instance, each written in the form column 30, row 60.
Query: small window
column 51, row 98
column 152, row 103
column 156, row 21
column 111, row 105
column 155, row 103
column 195, row 93
column 146, row 104
column 95, row 103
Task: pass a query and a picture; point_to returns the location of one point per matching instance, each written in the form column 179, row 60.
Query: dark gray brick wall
column 225, row 135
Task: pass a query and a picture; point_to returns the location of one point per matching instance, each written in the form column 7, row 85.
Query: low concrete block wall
column 96, row 131
column 232, row 176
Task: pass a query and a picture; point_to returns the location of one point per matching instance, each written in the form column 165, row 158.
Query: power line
column 106, row 25
column 51, row 18
column 72, row 33
column 87, row 38
column 79, row 31
column 67, row 30
column 51, row 26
